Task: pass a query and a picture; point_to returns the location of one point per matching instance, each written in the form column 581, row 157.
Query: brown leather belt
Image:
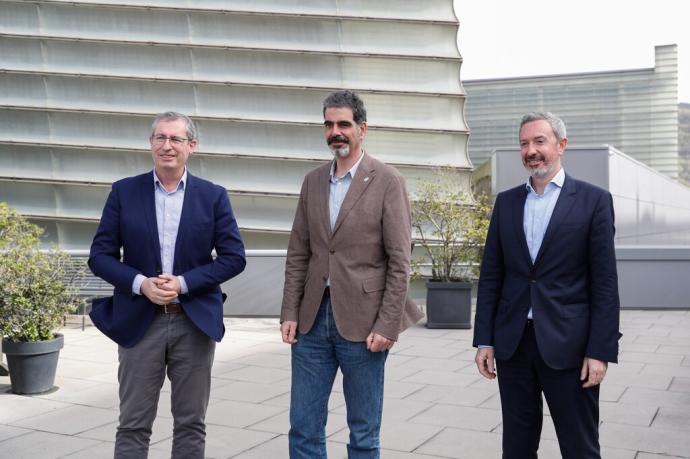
column 170, row 308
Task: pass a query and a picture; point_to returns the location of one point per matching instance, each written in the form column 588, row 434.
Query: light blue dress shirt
column 337, row 189
column 538, row 211
column 168, row 213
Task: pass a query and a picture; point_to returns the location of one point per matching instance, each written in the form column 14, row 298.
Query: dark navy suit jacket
column 572, row 286
column 129, row 223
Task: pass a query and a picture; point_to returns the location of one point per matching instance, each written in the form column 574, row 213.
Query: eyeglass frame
column 159, row 139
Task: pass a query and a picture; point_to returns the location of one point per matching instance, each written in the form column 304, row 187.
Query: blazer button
column 534, row 281
column 331, row 251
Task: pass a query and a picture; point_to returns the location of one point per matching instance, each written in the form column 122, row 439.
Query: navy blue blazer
column 572, row 286
column 129, row 223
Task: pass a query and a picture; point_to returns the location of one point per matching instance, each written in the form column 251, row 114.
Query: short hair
column 557, row 124
column 192, row 133
column 346, row 99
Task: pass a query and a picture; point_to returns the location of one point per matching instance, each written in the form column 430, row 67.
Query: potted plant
column 451, row 226
column 35, row 297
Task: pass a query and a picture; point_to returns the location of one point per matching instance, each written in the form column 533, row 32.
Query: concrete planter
column 32, row 365
column 448, row 304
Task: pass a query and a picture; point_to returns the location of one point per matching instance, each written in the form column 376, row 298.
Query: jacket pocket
column 374, row 284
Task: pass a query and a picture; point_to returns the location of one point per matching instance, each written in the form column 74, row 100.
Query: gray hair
column 347, row 99
column 557, row 124
column 192, row 133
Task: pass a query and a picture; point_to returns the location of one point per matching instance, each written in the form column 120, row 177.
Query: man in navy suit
column 547, row 302
column 154, row 245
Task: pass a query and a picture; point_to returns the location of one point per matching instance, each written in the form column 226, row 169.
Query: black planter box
column 448, row 304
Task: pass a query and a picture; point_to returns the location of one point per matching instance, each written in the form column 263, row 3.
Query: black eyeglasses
column 160, row 139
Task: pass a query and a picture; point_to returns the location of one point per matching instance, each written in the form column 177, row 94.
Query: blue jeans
column 315, row 361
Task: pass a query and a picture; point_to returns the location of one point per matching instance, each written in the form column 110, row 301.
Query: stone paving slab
column 680, row 384
column 242, row 391
column 280, row 424
column 68, row 421
column 7, row 432
column 43, row 445
column 462, row 417
column 435, row 406
column 223, row 442
column 645, row 439
column 399, row 436
column 673, row 418
column 230, row 413
column 104, row 450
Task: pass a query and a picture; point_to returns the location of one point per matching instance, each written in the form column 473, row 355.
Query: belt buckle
column 165, row 308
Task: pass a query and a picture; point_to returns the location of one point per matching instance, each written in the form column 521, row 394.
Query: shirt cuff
column 136, row 284
column 482, row 346
column 183, row 285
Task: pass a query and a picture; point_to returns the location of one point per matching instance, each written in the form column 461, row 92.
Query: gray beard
column 540, row 173
column 341, row 152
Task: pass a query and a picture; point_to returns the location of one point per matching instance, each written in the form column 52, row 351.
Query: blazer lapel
column 518, row 222
column 186, row 219
column 360, row 182
column 560, row 212
column 323, row 193
column 149, row 207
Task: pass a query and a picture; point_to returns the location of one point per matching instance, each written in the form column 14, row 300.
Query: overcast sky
column 503, row 38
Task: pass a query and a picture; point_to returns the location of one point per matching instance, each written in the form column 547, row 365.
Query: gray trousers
column 175, row 344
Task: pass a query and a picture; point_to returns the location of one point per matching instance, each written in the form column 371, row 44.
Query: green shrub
column 35, row 294
column 451, row 226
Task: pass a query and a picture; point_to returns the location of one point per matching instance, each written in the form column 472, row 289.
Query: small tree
column 35, row 294
column 451, row 226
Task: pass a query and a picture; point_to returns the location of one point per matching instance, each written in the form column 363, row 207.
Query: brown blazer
column 367, row 255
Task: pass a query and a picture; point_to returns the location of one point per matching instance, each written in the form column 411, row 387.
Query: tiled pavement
column 436, row 404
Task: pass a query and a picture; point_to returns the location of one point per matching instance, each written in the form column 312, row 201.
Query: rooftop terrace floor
column 436, row 404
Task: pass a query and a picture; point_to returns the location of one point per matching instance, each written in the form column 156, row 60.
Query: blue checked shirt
column 168, row 213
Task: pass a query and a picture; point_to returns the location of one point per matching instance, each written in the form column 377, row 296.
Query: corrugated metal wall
column 81, row 80
column 636, row 111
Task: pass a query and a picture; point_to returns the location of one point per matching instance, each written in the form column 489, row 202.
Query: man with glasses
column 154, row 245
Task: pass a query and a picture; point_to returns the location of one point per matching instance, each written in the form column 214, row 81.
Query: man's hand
column 288, row 329
column 170, row 283
column 485, row 362
column 378, row 343
column 593, row 371
column 150, row 288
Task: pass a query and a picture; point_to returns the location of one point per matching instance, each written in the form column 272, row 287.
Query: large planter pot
column 32, row 364
column 448, row 304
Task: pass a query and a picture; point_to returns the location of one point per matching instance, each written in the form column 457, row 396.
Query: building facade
column 81, row 80
column 635, row 111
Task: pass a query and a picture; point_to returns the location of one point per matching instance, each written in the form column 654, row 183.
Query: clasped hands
column 162, row 289
column 375, row 342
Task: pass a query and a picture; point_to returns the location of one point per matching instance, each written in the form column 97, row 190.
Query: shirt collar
column 180, row 184
column 352, row 171
column 557, row 180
